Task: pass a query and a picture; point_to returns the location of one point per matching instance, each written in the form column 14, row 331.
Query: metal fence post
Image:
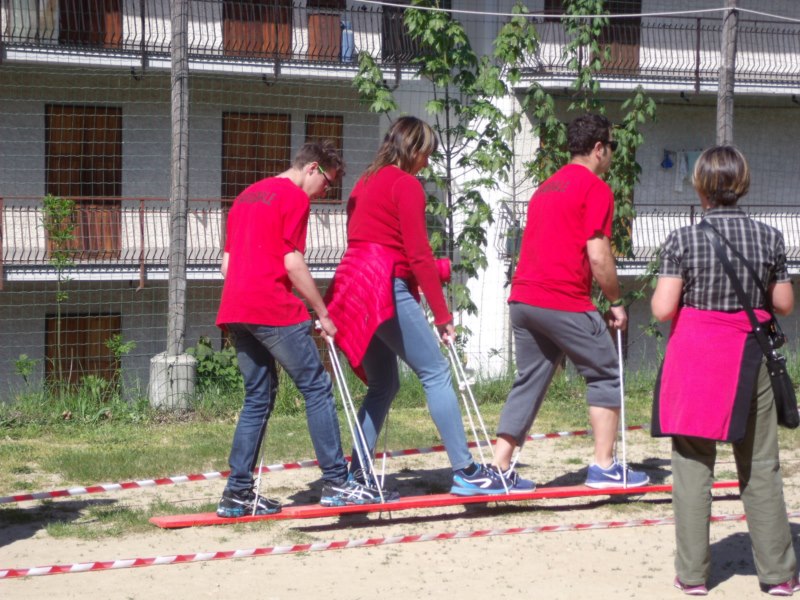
column 727, row 75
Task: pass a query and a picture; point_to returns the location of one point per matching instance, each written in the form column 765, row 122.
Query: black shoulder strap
column 747, row 264
column 714, row 236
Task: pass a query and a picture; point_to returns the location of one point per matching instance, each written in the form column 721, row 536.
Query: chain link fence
column 85, row 105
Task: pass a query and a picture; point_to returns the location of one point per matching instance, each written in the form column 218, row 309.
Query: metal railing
column 278, row 31
column 134, row 233
column 255, row 30
column 653, row 223
column 680, row 50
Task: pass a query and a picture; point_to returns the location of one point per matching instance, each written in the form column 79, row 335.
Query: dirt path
column 603, row 563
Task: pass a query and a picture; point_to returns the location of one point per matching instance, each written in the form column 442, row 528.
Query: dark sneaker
column 477, row 480
column 691, row 590
column 353, row 491
column 516, row 484
column 787, row 588
column 233, row 504
column 612, row 477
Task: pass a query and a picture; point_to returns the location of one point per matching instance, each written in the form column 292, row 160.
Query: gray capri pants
column 543, row 337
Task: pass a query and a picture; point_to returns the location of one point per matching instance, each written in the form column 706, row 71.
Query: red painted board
column 315, row 511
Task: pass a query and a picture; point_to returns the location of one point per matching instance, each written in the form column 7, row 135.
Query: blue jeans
column 409, row 336
column 258, row 347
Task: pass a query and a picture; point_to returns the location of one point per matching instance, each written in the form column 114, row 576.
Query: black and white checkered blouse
column 688, row 254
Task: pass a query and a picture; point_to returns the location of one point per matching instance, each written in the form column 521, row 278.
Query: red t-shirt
column 566, row 211
column 388, row 208
column 268, row 220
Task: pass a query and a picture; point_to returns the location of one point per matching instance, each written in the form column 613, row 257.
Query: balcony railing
column 240, row 30
column 671, row 49
column 680, row 50
column 134, row 233
column 653, row 223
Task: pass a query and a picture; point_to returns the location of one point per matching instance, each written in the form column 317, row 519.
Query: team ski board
column 315, row 511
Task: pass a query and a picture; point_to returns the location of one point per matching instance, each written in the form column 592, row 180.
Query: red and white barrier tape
column 101, row 488
column 340, row 545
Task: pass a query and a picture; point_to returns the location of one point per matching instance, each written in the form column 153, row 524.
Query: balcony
column 319, row 32
column 680, row 51
column 326, row 33
column 128, row 238
column 652, row 225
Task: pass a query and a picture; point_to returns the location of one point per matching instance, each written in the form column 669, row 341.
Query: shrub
column 216, row 369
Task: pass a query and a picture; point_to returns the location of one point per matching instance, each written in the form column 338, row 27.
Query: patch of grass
column 35, row 452
column 164, row 444
column 102, row 521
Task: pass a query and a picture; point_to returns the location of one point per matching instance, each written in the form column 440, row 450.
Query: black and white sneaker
column 354, row 491
column 234, row 504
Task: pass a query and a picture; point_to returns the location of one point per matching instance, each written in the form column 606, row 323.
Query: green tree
column 476, row 134
column 585, row 55
column 59, row 223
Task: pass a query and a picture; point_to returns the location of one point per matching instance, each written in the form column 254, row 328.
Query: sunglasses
column 613, row 144
column 322, row 172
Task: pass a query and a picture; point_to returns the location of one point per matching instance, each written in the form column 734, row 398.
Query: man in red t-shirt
column 565, row 245
column 263, row 261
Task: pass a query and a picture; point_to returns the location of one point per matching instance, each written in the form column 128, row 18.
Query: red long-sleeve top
column 388, row 208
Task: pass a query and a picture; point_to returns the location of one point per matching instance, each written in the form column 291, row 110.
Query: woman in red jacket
column 374, row 301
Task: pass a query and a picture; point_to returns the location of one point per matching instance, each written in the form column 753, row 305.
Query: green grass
column 39, row 450
column 35, row 452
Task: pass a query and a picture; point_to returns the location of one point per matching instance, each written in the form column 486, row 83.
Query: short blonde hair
column 721, row 175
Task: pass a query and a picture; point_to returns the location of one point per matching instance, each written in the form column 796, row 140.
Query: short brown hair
column 585, row 131
column 323, row 152
column 721, row 175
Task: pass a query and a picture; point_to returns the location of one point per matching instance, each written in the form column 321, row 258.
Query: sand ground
column 603, row 563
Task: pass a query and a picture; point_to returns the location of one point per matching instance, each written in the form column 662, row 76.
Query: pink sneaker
column 691, row 590
column 787, row 588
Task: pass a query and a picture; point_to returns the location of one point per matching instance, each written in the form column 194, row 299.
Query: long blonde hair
column 406, row 140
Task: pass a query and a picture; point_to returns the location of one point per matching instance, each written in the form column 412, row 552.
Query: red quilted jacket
column 361, row 296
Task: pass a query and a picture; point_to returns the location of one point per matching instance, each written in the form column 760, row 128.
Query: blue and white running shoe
column 603, row 479
column 477, row 480
column 517, row 484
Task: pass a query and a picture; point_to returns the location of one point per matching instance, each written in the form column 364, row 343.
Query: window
column 621, row 36
column 327, row 127
column 90, row 23
column 257, row 28
column 83, row 147
column 254, row 146
column 397, row 45
column 79, row 348
column 553, row 7
column 325, row 29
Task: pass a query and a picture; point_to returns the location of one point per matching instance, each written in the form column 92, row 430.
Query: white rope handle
column 359, row 441
column 622, row 409
column 257, row 485
column 463, row 386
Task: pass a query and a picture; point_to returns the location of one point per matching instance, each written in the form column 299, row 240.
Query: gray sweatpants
column 542, row 338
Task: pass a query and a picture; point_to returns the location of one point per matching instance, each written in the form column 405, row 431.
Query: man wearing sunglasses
column 269, row 325
column 565, row 245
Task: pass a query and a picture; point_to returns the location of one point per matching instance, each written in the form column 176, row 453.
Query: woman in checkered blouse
column 713, row 385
